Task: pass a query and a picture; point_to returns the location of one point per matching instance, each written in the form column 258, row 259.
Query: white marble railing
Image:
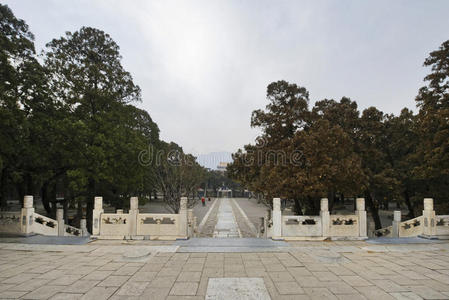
column 427, row 225
column 135, row 225
column 344, row 226
column 114, row 224
column 412, row 227
column 296, row 226
column 158, row 225
column 324, row 226
column 72, row 231
column 27, row 221
column 44, row 225
column 384, row 232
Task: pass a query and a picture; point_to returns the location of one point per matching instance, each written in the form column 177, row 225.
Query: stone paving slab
column 237, row 289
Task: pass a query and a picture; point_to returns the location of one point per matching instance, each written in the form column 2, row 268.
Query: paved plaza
column 159, row 270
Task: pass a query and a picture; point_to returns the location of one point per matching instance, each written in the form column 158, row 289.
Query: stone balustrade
column 324, row 226
column 428, row 225
column 136, row 225
column 28, row 222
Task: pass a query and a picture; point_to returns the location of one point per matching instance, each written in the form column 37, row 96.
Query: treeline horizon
column 334, row 150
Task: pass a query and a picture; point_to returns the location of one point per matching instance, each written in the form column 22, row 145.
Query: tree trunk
column 66, row 211
column 411, row 212
column 45, row 198
column 20, row 192
column 155, row 195
column 311, row 207
column 53, row 202
column 331, row 198
column 79, row 210
column 91, row 193
column 374, row 209
column 29, row 184
column 297, row 207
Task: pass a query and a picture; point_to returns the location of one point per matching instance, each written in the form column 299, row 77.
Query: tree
column 177, row 174
column 433, row 125
column 380, row 179
column 216, row 179
column 286, row 112
column 331, row 163
column 20, row 85
column 301, row 154
column 246, row 170
column 87, row 77
column 401, row 148
column 345, row 115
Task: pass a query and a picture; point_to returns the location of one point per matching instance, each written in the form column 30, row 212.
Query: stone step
column 231, row 245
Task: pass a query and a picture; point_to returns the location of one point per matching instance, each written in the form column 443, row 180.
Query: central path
column 227, row 226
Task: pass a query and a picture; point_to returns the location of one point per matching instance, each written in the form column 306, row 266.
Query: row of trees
column 68, row 124
column 336, row 151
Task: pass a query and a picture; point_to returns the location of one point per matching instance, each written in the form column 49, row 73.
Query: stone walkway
column 226, row 226
column 247, row 228
column 201, row 211
column 253, row 210
column 155, row 270
column 225, row 218
column 207, row 225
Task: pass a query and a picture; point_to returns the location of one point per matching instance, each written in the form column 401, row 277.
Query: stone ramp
column 231, row 245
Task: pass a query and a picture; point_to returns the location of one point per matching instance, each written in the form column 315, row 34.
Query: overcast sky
column 203, row 66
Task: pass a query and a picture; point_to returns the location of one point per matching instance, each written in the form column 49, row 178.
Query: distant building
column 222, row 166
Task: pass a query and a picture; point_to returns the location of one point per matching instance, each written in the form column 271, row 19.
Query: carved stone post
column 27, row 219
column 190, row 222
column 428, row 213
column 277, row 219
column 60, row 220
column 83, row 227
column 183, row 221
column 133, row 212
column 396, row 223
column 325, row 216
column 361, row 212
column 96, row 215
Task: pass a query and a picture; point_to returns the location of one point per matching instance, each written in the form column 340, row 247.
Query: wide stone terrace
column 157, row 270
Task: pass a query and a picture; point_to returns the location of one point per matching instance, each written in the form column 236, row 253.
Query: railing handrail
column 46, row 219
column 411, row 220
